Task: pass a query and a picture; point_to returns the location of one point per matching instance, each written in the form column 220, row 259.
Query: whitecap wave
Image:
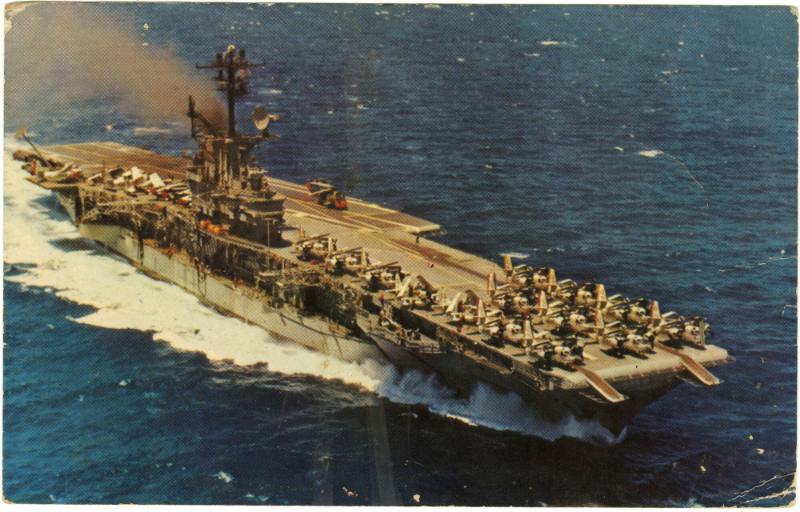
column 650, row 153
column 139, row 131
column 225, row 477
column 126, row 299
column 516, row 255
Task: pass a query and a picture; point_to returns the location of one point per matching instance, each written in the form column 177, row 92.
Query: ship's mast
column 222, row 154
column 233, row 71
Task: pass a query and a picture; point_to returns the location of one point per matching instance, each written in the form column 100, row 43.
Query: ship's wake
column 46, row 248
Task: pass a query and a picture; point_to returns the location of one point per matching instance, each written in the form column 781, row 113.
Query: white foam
column 225, row 477
column 650, row 153
column 150, row 130
column 516, row 255
column 124, row 298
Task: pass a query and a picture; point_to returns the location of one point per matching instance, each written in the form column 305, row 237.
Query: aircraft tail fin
column 552, row 282
column 600, row 294
column 541, row 302
column 508, row 265
column 655, row 311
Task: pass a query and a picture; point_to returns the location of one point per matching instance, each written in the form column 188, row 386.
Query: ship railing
column 425, row 349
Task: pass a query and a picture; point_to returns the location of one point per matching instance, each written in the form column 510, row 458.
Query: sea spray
column 124, row 298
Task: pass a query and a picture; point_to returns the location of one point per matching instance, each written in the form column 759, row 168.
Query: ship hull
column 554, row 405
column 67, row 200
column 223, row 295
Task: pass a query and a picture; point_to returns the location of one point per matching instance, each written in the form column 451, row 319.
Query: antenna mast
column 232, row 74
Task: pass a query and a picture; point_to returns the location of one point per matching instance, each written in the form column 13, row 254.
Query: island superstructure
column 356, row 280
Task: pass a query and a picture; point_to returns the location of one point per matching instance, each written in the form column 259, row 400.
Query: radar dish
column 261, row 118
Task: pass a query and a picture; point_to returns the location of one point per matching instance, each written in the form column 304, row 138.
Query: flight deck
column 389, row 236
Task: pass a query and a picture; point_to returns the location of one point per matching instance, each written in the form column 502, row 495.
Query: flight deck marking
column 351, row 223
column 384, row 220
column 417, row 224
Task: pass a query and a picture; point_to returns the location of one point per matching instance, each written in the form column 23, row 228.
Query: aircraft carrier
column 356, row 280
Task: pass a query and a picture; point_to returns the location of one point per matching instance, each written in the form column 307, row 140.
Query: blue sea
column 653, row 149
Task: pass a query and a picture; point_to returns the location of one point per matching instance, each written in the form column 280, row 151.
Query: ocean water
column 652, row 149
